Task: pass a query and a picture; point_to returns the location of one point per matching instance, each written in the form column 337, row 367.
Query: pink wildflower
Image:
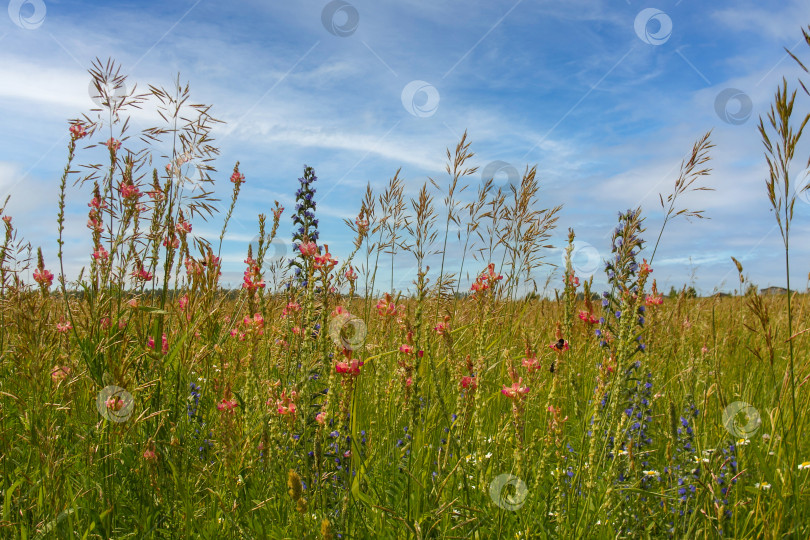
column 487, row 279
column 286, row 403
column 77, row 131
column 237, row 177
column 128, row 191
column 113, row 144
column 516, row 391
column 253, row 277
column 142, row 274
column 588, row 317
column 63, row 327
column 183, row 227
column 114, row 403
column 308, row 249
column 43, row 277
column 227, row 405
column 59, row 372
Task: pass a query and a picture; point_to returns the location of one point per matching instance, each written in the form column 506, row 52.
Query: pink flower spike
column 113, row 144
column 227, row 405
column 63, row 327
column 515, row 391
column 59, row 372
column 100, row 253
column 308, row 249
column 77, row 131
column 237, row 177
column 43, row 277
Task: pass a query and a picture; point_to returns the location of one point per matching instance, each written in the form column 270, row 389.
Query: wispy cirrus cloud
column 569, row 87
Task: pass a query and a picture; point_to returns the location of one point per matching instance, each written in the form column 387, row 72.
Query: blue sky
column 605, row 105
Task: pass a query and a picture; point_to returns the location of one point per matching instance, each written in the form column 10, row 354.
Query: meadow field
column 144, row 400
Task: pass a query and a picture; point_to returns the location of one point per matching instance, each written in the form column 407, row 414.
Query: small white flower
column 708, row 452
column 650, row 473
column 766, row 437
column 804, row 465
column 743, row 442
column 762, row 485
column 489, row 455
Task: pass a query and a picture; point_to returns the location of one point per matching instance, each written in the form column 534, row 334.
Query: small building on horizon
column 774, row 290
